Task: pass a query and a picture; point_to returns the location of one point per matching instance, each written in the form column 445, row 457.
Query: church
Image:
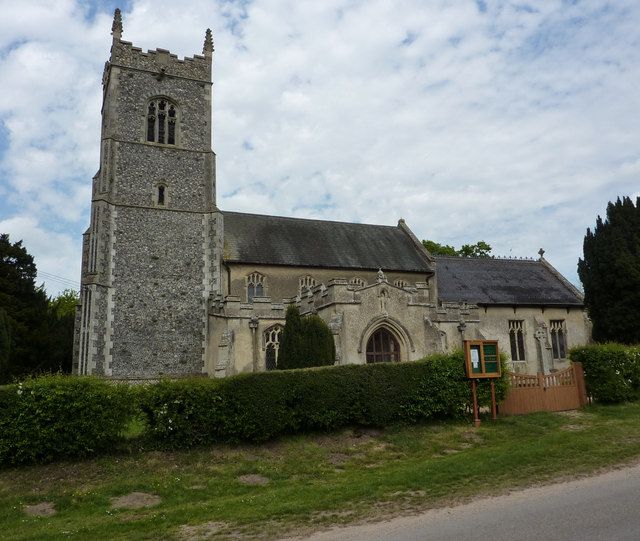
column 173, row 286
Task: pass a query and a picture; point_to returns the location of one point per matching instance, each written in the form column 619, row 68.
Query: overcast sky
column 511, row 122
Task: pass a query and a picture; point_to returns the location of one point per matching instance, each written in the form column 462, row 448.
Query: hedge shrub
column 611, row 371
column 52, row 417
column 257, row 407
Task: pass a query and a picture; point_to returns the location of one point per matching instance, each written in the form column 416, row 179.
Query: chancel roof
column 503, row 281
column 275, row 240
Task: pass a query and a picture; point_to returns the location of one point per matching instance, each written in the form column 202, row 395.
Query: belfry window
column 255, row 286
column 558, row 338
column 358, row 282
column 401, row 284
column 516, row 339
column 161, row 121
column 383, row 347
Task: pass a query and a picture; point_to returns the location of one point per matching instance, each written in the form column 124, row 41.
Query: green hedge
column 257, row 407
column 53, row 417
column 611, row 371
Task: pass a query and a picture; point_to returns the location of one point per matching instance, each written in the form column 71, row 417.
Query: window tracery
column 255, row 286
column 558, row 338
column 516, row 339
column 162, row 116
column 383, row 347
column 272, row 346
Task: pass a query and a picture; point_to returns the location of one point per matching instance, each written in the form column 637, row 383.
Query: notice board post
column 482, row 361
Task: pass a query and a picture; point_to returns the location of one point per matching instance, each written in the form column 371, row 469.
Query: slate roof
column 502, row 281
column 275, row 240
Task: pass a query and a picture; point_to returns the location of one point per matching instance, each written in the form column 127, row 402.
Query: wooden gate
column 559, row 391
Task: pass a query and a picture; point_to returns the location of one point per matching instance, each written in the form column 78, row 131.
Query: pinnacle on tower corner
column 116, row 27
column 207, row 49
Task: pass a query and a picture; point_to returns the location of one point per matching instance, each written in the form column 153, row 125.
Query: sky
column 511, row 122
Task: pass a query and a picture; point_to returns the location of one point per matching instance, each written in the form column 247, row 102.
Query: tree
column 305, row 342
column 61, row 321
column 38, row 330
column 610, row 273
column 5, row 344
column 290, row 353
column 479, row 249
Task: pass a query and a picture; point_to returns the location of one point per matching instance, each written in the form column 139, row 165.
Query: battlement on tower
column 160, row 61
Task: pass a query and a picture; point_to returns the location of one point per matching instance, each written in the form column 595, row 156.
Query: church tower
column 151, row 254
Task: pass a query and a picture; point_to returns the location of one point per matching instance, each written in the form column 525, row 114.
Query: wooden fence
column 559, row 391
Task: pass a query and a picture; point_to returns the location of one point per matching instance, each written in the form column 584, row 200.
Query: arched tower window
column 162, row 116
column 401, row 284
column 272, row 346
column 358, row 282
column 383, row 347
column 255, row 286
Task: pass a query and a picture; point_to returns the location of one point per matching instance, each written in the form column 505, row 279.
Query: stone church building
column 172, row 285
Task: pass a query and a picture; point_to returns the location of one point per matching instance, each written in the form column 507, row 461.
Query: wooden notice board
column 482, row 359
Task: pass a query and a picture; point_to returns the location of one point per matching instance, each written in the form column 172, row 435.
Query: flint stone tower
column 151, row 254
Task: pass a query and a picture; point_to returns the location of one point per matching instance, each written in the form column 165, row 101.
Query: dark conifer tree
column 610, row 273
column 305, row 342
column 291, row 352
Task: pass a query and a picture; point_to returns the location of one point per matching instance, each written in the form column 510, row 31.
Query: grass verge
column 300, row 483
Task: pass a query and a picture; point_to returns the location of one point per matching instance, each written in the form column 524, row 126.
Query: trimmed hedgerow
column 53, row 417
column 611, row 371
column 257, row 407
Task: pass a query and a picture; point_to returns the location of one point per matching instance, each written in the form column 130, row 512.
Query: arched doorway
column 383, row 347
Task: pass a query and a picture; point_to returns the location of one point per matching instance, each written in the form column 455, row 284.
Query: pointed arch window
column 255, row 286
column 162, row 116
column 272, row 346
column 383, row 347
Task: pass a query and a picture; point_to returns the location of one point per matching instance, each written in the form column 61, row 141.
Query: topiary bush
column 611, row 371
column 53, row 417
column 260, row 406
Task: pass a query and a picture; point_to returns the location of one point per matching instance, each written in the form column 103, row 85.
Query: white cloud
column 515, row 125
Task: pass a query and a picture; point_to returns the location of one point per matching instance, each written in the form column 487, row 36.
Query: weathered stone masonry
column 150, row 257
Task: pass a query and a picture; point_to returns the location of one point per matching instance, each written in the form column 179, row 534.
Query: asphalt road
column 601, row 508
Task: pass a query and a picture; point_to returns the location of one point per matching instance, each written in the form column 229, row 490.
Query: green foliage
column 26, row 311
column 435, row 248
column 5, row 343
column 611, row 371
column 39, row 330
column 59, row 331
column 53, row 417
column 257, row 407
column 305, row 342
column 64, row 305
column 610, row 273
column 479, row 249
column 291, row 352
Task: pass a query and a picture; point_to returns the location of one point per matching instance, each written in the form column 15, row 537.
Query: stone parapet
column 160, row 61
